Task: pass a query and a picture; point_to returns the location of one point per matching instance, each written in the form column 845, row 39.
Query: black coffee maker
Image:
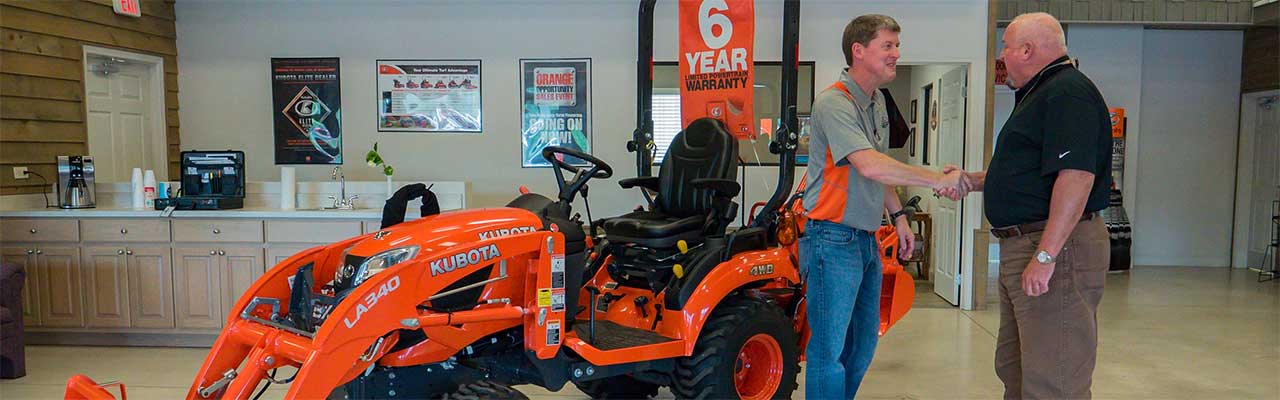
column 75, row 182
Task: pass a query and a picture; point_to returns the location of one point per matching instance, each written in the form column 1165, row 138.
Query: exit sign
column 127, row 7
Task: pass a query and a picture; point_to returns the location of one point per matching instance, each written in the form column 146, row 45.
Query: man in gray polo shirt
column 839, row 257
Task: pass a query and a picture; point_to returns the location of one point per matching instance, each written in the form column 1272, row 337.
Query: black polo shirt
column 1059, row 121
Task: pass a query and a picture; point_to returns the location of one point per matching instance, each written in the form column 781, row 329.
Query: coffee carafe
column 75, row 182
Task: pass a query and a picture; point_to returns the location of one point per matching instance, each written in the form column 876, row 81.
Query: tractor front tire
column 747, row 350
column 485, row 390
column 618, row 387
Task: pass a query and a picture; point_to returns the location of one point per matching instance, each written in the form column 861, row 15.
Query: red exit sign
column 127, row 7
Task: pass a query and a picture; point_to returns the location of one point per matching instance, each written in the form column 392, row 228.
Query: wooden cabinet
column 240, row 267
column 105, row 271
column 25, row 256
column 150, row 286
column 196, row 288
column 58, row 280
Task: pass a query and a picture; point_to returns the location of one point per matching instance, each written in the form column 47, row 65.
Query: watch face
column 1043, row 257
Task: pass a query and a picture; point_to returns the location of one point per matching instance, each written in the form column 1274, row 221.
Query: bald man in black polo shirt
column 1048, row 178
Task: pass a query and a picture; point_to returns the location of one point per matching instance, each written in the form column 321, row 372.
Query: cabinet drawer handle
column 31, row 252
column 38, row 251
column 213, row 252
column 222, row 253
column 216, row 231
column 129, row 252
column 119, row 252
column 33, row 231
column 124, row 231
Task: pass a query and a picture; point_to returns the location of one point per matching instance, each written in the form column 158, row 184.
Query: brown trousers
column 1048, row 345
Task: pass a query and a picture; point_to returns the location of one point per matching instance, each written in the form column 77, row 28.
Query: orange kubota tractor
column 466, row 304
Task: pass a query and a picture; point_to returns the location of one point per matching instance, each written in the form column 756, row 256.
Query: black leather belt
column 1029, row 228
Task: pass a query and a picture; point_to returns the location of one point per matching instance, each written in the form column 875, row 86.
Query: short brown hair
column 863, row 29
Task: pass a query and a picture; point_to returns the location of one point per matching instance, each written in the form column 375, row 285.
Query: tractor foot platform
column 611, row 336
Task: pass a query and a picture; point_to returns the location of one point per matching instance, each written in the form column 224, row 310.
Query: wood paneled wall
column 42, row 111
column 1261, row 66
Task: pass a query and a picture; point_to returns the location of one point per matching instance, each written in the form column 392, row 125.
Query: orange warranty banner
column 717, row 72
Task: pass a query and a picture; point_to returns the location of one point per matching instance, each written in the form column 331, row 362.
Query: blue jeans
column 841, row 266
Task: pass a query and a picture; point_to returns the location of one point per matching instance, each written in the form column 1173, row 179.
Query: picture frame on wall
column 429, row 96
column 912, row 140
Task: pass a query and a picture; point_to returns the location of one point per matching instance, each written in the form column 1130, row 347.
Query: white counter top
column 259, row 213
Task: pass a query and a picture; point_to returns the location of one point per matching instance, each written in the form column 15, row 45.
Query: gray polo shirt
column 842, row 124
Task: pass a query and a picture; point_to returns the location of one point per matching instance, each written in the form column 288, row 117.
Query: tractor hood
column 433, row 234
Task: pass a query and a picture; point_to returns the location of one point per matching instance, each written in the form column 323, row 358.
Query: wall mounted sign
column 430, row 96
column 306, row 108
column 555, row 108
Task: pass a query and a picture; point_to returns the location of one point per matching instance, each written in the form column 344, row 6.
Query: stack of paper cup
column 288, row 188
column 139, row 200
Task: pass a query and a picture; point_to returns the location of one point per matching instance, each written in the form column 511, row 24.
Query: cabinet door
column 106, row 287
column 25, row 256
column 197, row 286
column 241, row 267
column 277, row 254
column 151, row 287
column 59, row 281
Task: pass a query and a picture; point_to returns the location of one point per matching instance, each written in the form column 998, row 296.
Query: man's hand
column 953, row 184
column 1035, row 278
column 906, row 238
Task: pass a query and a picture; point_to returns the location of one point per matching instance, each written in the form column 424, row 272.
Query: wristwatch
column 894, row 217
column 1043, row 257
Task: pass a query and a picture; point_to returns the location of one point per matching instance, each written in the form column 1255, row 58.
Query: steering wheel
column 598, row 169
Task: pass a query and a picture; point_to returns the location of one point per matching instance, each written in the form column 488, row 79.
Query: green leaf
column 387, row 170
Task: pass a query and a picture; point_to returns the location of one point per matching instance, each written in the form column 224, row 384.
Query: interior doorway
column 1257, row 178
column 124, row 106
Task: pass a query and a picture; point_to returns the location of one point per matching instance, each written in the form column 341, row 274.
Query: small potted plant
column 375, row 160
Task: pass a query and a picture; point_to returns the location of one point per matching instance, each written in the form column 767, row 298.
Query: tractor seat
column 696, row 179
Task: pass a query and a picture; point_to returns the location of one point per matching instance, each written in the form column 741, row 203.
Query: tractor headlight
column 381, row 261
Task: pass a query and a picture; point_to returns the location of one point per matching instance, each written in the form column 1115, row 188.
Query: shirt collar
column 860, row 97
column 1044, row 73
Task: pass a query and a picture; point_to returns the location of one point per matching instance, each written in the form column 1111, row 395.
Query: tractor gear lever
column 640, row 303
column 591, row 320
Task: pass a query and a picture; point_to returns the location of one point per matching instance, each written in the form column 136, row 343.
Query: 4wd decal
column 371, row 300
column 464, row 259
column 765, row 269
column 506, row 232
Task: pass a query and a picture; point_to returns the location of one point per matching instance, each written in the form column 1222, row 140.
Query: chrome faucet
column 342, row 202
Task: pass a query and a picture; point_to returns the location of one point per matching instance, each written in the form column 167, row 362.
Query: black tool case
column 211, row 180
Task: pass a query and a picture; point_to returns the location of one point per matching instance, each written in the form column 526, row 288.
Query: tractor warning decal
column 557, row 271
column 464, row 259
column 544, row 298
column 557, row 300
column 553, row 333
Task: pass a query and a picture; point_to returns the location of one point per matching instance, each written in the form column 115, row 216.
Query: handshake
column 955, row 183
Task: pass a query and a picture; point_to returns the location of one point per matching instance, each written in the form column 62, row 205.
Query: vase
column 390, row 188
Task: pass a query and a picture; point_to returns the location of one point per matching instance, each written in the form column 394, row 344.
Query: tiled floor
column 1166, row 333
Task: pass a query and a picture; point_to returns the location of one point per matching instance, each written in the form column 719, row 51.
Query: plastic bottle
column 149, row 189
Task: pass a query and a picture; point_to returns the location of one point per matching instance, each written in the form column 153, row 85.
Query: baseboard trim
column 121, row 339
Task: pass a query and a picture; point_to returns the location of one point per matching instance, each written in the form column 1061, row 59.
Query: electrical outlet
column 20, row 173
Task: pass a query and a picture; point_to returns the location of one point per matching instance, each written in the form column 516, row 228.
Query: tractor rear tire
column 485, row 390
column 618, row 387
column 747, row 349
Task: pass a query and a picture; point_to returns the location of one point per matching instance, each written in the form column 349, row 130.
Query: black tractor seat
column 695, row 184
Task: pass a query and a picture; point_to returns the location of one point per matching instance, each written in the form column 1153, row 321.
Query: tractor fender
column 728, row 277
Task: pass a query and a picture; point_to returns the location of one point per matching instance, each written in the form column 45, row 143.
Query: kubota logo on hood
column 506, row 232
column 465, row 259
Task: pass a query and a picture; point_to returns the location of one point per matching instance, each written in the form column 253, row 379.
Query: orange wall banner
column 1117, row 122
column 717, row 70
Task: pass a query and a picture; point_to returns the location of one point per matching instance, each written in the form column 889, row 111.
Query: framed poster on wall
column 306, row 110
column 555, row 108
column 429, row 96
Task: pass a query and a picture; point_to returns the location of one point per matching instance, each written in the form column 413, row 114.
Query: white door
column 1266, row 179
column 946, row 220
column 120, row 137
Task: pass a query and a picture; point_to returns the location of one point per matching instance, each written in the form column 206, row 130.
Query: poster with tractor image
column 555, row 108
column 430, row 96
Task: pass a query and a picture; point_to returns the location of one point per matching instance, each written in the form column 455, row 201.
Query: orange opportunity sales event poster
column 717, row 71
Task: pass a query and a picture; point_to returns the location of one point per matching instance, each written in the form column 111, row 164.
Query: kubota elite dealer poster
column 716, row 63
column 306, row 108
